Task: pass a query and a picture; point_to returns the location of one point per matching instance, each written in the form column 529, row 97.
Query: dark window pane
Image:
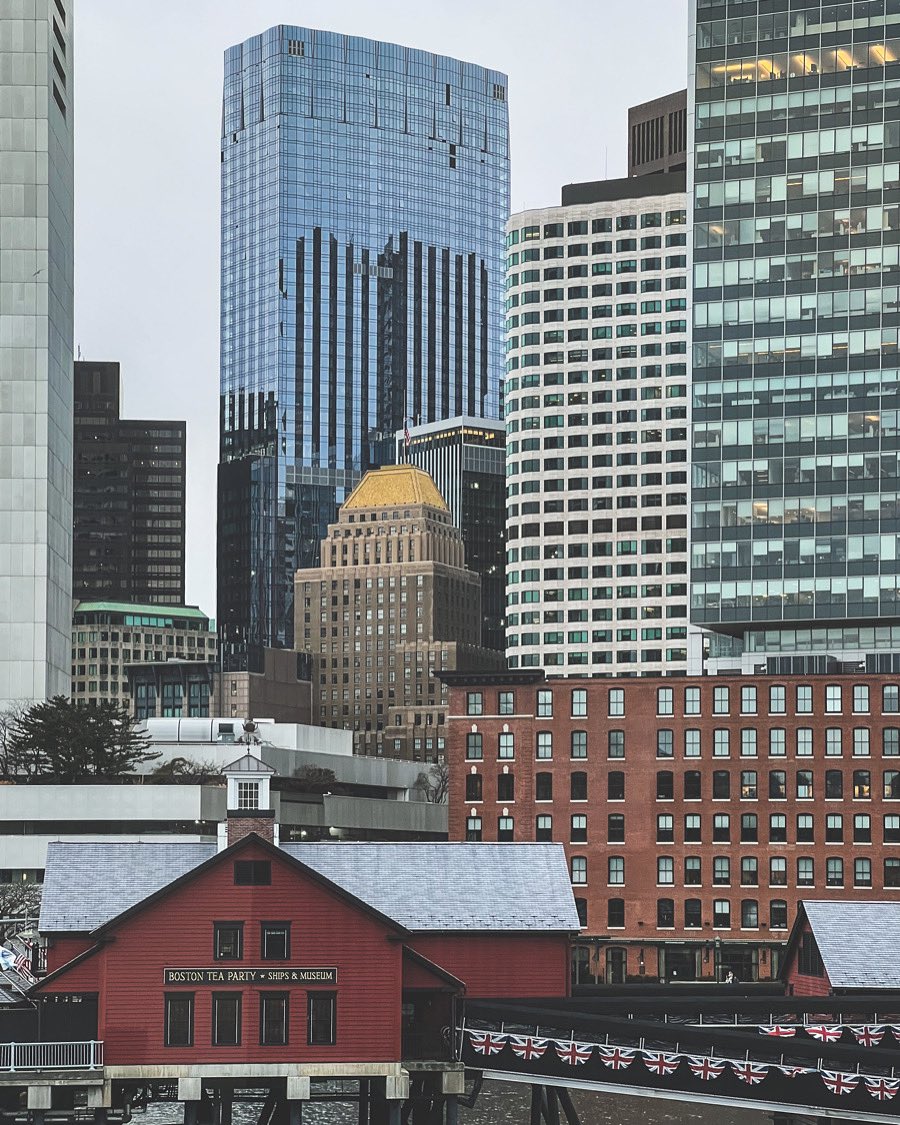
column 179, row 1019
column 226, row 1019
column 321, row 1019
column 228, row 941
column 252, row 872
column 276, row 941
column 273, row 1018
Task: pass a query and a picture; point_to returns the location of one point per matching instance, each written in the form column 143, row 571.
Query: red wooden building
column 298, row 962
column 844, row 948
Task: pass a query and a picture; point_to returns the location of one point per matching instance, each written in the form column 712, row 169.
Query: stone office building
column 392, row 603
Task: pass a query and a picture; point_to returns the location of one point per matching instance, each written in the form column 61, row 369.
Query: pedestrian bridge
column 826, row 1057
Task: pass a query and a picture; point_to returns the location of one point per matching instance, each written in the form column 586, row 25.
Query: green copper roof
column 143, row 610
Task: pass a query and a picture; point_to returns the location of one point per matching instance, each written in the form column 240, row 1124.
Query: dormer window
column 248, row 795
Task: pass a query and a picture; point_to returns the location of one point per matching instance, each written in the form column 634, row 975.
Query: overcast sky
column 148, row 86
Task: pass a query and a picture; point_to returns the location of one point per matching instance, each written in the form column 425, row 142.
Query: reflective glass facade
column 796, row 475
column 365, row 187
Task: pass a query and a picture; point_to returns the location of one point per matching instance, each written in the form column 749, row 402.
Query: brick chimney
column 249, row 807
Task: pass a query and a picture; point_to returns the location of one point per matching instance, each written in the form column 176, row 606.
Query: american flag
column 574, row 1053
column 825, row 1033
column 406, row 438
column 526, row 1047
column 751, row 1073
column 779, row 1030
column 617, row 1058
column 661, row 1063
column 21, row 962
column 882, row 1088
column 706, row 1068
column 486, row 1042
column 867, row 1034
column 839, row 1083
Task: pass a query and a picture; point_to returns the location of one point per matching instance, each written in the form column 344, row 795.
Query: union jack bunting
column 894, row 1028
column 574, row 1053
column 526, row 1047
column 617, row 1058
column 793, row 1071
column 779, row 1030
column 706, row 1068
column 825, row 1033
column 661, row 1063
column 486, row 1042
column 839, row 1083
column 867, row 1034
column 882, row 1088
column 751, row 1073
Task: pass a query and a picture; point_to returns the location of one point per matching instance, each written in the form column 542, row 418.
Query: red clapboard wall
column 804, row 984
column 501, row 965
column 63, row 948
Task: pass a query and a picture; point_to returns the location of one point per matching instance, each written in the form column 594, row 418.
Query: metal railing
column 87, row 1055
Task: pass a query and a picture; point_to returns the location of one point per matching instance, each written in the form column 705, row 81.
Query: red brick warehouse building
column 695, row 812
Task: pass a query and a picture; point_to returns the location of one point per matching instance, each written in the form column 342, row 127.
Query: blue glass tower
column 365, row 188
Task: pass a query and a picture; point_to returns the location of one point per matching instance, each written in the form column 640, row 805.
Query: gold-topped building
column 395, row 484
column 392, row 603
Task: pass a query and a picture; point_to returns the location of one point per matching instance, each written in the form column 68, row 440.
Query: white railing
column 86, row 1055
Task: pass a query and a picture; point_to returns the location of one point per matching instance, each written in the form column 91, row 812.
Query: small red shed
column 843, row 947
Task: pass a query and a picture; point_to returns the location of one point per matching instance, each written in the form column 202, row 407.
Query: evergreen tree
column 66, row 741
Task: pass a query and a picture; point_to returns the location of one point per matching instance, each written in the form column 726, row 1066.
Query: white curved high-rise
column 596, row 399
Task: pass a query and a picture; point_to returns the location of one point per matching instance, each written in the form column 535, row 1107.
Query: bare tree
column 14, row 763
column 20, row 904
column 187, row 771
column 435, row 784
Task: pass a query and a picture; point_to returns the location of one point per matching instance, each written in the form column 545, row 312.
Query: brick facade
column 240, row 826
column 708, row 806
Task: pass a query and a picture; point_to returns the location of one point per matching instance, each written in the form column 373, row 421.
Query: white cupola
column 248, row 801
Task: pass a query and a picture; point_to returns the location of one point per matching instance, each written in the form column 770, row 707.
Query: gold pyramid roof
column 393, row 486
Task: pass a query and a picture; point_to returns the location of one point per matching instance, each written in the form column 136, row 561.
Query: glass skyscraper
column 365, row 187
column 796, row 390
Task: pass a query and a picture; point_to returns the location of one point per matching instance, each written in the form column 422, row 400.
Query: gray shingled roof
column 453, row 886
column 12, row 987
column 506, row 887
column 859, row 942
column 86, row 884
